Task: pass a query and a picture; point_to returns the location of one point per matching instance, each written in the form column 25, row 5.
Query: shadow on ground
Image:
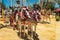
column 35, row 36
column 45, row 22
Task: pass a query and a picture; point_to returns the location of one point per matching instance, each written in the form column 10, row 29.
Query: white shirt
column 28, row 14
column 10, row 11
column 16, row 16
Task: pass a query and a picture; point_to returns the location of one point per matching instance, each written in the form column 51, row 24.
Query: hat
column 24, row 7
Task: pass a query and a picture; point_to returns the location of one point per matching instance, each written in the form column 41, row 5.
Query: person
column 11, row 21
column 5, row 12
column 10, row 11
column 25, row 14
column 36, row 15
column 16, row 14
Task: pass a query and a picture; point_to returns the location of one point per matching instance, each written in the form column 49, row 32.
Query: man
column 16, row 14
column 10, row 11
column 26, row 12
column 5, row 12
column 36, row 15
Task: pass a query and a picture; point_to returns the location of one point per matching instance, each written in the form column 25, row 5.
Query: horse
column 48, row 14
column 27, row 21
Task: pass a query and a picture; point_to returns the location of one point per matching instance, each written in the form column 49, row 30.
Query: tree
column 0, row 7
column 28, row 2
column 23, row 2
column 36, row 6
column 58, row 2
column 41, row 3
column 49, row 5
column 30, row 7
column 0, row 4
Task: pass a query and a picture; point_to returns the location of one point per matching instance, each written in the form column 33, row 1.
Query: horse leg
column 35, row 24
column 23, row 28
column 43, row 18
column 46, row 18
column 29, row 30
column 49, row 19
column 19, row 27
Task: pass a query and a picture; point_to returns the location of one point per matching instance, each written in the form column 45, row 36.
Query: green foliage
column 58, row 2
column 30, row 7
column 49, row 5
column 0, row 4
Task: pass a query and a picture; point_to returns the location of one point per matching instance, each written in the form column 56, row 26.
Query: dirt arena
column 44, row 32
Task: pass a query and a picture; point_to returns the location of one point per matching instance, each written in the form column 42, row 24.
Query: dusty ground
column 8, row 34
column 58, row 31
column 47, row 31
column 44, row 32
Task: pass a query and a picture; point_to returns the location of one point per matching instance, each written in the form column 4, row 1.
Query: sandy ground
column 44, row 32
column 47, row 31
column 58, row 31
column 8, row 34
